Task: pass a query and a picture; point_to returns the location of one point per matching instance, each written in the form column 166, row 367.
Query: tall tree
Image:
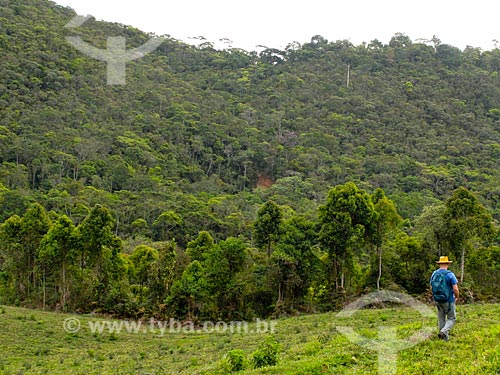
column 345, row 221
column 386, row 220
column 295, row 263
column 266, row 228
column 12, row 257
column 433, row 229
column 167, row 260
column 467, row 219
column 189, row 292
column 34, row 225
column 99, row 248
column 224, row 261
column 96, row 232
column 57, row 253
column 145, row 260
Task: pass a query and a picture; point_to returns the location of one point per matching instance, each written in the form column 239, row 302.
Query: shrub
column 236, row 360
column 267, row 354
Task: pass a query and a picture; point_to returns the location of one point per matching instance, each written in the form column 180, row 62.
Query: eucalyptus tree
column 57, row 254
column 467, row 219
column 267, row 227
column 346, row 220
column 386, row 221
column 98, row 252
column 35, row 224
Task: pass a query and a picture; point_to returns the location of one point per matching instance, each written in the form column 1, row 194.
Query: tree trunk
column 379, row 252
column 462, row 265
column 44, row 292
column 64, row 288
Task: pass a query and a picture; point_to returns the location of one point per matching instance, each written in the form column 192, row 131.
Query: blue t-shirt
column 451, row 280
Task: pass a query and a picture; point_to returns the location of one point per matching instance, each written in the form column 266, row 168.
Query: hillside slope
column 417, row 120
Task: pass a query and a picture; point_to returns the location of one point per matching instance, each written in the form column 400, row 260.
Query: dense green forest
column 227, row 183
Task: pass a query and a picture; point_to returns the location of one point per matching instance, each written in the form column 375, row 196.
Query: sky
column 277, row 23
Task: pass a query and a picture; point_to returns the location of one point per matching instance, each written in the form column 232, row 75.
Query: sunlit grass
column 35, row 342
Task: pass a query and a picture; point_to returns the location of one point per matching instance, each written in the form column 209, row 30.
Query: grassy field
column 36, row 342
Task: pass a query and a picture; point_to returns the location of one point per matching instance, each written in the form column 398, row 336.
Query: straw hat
column 444, row 260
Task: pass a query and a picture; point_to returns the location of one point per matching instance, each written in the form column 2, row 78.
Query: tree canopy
column 225, row 182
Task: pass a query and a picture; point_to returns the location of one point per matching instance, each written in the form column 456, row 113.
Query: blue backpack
column 440, row 288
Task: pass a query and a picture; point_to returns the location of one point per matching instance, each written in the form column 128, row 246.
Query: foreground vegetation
column 34, row 342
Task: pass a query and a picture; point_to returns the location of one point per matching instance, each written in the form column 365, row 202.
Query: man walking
column 445, row 292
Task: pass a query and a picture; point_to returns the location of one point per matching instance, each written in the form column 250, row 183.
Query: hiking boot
column 443, row 336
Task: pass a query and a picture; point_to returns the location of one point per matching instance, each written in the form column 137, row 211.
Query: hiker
column 444, row 285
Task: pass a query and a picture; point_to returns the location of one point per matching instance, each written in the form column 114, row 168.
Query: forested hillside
column 222, row 182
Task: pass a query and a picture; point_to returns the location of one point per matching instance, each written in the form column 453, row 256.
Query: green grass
column 34, row 342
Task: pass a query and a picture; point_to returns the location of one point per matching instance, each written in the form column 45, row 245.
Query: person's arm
column 456, row 292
